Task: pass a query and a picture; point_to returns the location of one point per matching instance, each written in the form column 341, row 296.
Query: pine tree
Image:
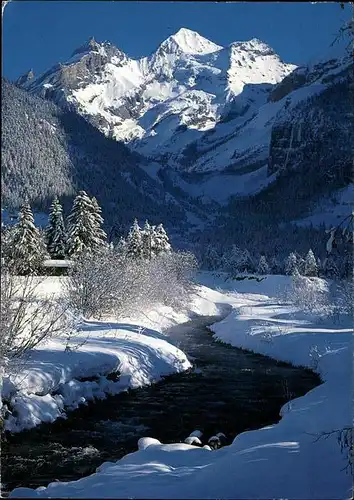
column 5, row 242
column 134, row 244
column 55, row 234
column 26, row 248
column 263, row 267
column 5, row 234
column 148, row 240
column 346, row 268
column 121, row 246
column 100, row 234
column 275, row 267
column 296, row 274
column 330, row 268
column 211, row 258
column 311, row 268
column 237, row 261
column 291, row 264
column 300, row 264
column 231, row 260
column 161, row 240
column 246, row 264
column 82, row 227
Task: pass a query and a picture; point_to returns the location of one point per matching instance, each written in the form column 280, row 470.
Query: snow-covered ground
column 331, row 211
column 54, row 378
column 293, row 459
column 220, row 188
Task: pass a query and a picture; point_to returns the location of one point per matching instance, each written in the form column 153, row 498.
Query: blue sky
column 39, row 34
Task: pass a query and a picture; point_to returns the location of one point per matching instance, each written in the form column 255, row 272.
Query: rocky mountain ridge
column 218, row 121
column 189, row 84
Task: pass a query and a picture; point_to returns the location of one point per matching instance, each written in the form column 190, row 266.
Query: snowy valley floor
column 293, row 459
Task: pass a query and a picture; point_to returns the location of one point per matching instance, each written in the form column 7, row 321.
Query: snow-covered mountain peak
column 188, row 84
column 189, row 42
column 90, row 46
column 254, row 45
column 253, row 62
column 104, row 49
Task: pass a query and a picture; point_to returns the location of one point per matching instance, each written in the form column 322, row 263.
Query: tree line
column 139, row 273
column 25, row 247
column 235, row 260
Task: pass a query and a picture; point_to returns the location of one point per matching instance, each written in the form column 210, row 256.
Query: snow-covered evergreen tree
column 26, row 248
column 134, row 244
column 300, row 264
column 121, row 246
column 5, row 233
column 237, row 260
column 5, row 242
column 346, row 267
column 296, row 274
column 311, row 268
column 263, row 267
column 55, row 234
column 161, row 240
column 247, row 262
column 231, row 259
column 291, row 264
column 100, row 234
column 330, row 268
column 211, row 258
column 148, row 240
column 275, row 267
column 83, row 234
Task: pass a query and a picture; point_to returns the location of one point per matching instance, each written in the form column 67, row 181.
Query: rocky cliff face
column 315, row 134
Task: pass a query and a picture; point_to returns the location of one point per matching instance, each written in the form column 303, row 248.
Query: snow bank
column 331, row 211
column 55, row 379
column 286, row 460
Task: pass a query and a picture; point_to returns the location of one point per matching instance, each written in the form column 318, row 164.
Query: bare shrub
column 91, row 288
column 344, row 438
column 310, row 295
column 112, row 283
column 345, row 297
column 172, row 275
column 26, row 317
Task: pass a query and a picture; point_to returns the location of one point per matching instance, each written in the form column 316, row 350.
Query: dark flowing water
column 229, row 391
